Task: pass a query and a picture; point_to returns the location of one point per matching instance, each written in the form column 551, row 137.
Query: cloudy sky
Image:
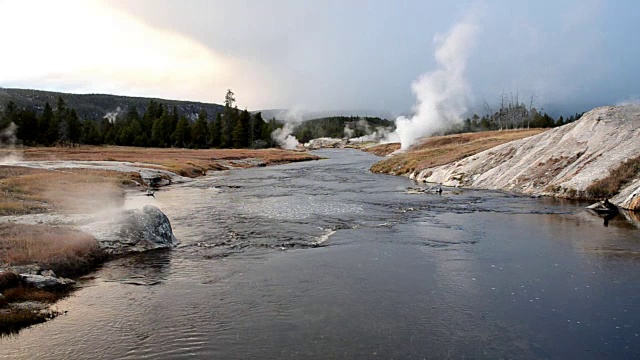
column 322, row 55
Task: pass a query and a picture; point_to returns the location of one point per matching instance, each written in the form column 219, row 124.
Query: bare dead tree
column 533, row 95
column 489, row 108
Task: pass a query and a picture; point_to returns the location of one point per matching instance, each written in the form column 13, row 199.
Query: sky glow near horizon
column 359, row 55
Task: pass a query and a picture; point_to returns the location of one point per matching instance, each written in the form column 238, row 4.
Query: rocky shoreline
column 28, row 297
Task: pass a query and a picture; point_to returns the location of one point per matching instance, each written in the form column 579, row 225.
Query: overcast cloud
column 321, row 55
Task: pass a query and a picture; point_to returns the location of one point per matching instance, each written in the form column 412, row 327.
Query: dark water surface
column 326, row 260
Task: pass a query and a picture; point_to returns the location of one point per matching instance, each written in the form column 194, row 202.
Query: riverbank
column 440, row 150
column 594, row 158
column 44, row 185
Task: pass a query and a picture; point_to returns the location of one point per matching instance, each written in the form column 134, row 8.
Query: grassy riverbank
column 35, row 247
column 440, row 150
column 185, row 162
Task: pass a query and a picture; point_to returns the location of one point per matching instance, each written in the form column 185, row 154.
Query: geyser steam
column 442, row 95
column 284, row 138
column 8, row 141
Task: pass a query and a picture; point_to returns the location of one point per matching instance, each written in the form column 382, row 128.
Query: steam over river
column 471, row 274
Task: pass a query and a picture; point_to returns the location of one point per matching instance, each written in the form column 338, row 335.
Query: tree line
column 513, row 114
column 158, row 126
column 334, row 127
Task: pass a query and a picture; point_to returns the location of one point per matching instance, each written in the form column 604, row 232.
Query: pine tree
column 28, row 127
column 200, row 131
column 181, row 136
column 73, row 125
column 10, row 115
column 57, row 124
column 90, row 133
column 239, row 134
column 245, row 121
column 43, row 123
column 214, row 131
column 255, row 131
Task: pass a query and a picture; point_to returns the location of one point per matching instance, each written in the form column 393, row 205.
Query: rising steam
column 367, row 134
column 8, row 141
column 113, row 115
column 443, row 94
column 284, row 136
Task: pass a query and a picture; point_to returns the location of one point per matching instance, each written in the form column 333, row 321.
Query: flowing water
column 326, row 260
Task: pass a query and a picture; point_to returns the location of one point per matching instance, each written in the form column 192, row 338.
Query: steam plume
column 8, row 141
column 442, row 95
column 283, row 136
column 112, row 116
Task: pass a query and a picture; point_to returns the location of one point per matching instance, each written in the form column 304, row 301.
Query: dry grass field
column 186, row 162
column 27, row 190
column 440, row 150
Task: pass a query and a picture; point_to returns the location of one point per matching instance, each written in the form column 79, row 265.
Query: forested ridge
column 159, row 125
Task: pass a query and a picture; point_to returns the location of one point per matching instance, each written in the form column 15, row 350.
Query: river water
column 323, row 259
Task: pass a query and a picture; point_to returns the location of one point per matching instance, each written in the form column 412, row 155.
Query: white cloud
column 87, row 46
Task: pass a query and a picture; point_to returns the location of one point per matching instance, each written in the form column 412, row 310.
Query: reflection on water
column 149, row 268
column 326, row 260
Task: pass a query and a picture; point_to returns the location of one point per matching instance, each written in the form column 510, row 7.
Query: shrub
column 617, row 178
column 24, row 293
column 12, row 321
column 9, row 279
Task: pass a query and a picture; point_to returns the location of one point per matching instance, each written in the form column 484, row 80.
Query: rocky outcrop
column 562, row 161
column 325, row 142
column 132, row 231
column 629, row 197
column 46, row 282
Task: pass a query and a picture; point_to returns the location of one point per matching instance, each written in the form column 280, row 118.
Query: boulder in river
column 603, row 208
column 131, row 231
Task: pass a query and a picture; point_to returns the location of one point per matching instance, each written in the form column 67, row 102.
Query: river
column 324, row 259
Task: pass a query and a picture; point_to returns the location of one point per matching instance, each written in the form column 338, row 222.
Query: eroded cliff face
column 562, row 161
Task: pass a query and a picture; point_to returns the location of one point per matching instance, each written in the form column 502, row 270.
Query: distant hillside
column 96, row 106
column 340, row 127
column 294, row 115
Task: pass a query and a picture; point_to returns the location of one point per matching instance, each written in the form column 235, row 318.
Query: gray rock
column 46, row 282
column 32, row 269
column 603, row 207
column 629, row 197
column 30, row 305
column 1, row 296
column 47, row 273
column 132, row 231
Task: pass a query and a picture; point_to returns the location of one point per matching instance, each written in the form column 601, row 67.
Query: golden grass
column 186, row 162
column 63, row 250
column 26, row 190
column 441, row 150
column 23, row 293
column 382, row 149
